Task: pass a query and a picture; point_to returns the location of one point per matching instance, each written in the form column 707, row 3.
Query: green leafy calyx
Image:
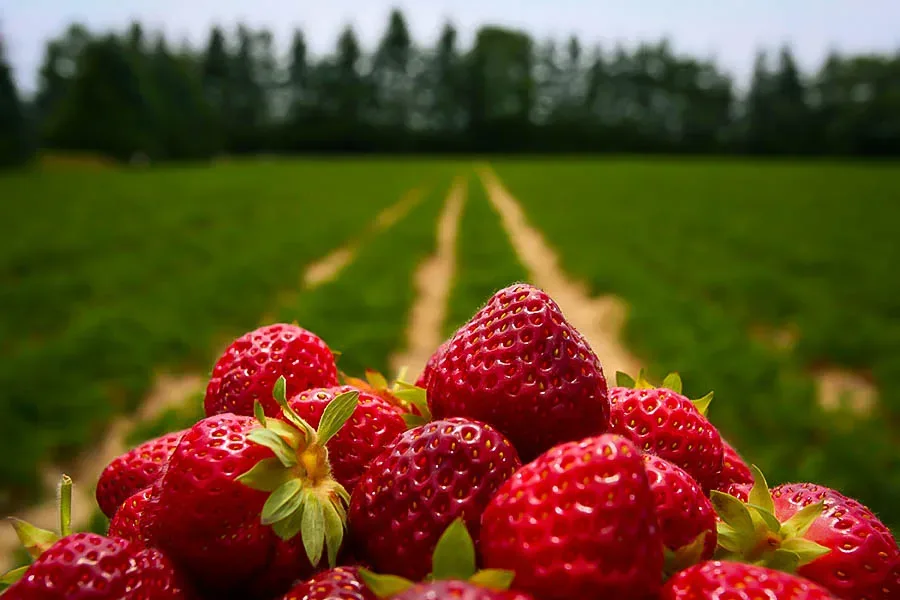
column 672, row 382
column 303, row 498
column 410, row 398
column 750, row 531
column 453, row 559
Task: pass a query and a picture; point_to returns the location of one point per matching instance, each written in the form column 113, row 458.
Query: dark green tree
column 392, row 83
column 217, row 84
column 15, row 142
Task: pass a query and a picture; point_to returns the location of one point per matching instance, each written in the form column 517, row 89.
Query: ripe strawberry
column 126, row 524
column 457, row 590
column 133, row 471
column 340, row 583
column 663, row 422
column 683, row 511
column 212, row 514
column 427, row 477
column 578, row 522
column 88, row 566
column 734, row 469
column 721, row 580
column 521, row 367
column 825, row 536
column 427, row 373
column 247, row 370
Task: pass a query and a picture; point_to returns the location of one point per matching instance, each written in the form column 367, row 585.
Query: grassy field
column 106, row 276
column 707, row 253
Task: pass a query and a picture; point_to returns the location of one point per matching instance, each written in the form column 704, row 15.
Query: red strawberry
column 684, row 512
column 734, row 469
column 88, row 566
column 457, row 590
column 825, row 536
column 578, row 522
column 663, row 422
column 133, row 471
column 247, row 370
column 722, row 580
column 340, row 583
column 520, row 366
column 373, row 425
column 427, row 477
column 427, row 373
column 126, row 524
column 212, row 513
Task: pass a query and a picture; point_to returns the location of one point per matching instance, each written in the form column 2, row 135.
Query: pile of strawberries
column 511, row 469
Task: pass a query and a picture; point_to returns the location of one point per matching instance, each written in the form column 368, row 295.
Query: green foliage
column 108, row 276
column 485, row 260
column 15, row 145
column 706, row 253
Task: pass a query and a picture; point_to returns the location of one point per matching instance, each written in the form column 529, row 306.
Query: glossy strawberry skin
column 209, row 524
column 427, row 373
column 133, row 471
column 374, row 424
column 720, row 580
column 426, row 478
column 521, row 367
column 665, row 423
column 864, row 563
column 578, row 522
column 340, row 583
column 734, row 469
column 87, row 566
column 249, row 367
column 457, row 590
column 683, row 511
column 126, row 524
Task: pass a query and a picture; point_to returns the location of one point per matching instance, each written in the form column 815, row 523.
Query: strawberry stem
column 65, row 506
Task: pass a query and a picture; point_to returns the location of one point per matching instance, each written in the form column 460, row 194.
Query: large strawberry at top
column 427, row 477
column 816, row 531
column 661, row 421
column 134, row 471
column 521, row 367
column 249, row 367
column 723, row 580
column 247, row 506
column 578, row 522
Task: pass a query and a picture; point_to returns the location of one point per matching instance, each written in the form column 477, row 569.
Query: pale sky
column 730, row 30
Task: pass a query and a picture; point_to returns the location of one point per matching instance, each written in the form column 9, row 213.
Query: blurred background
column 726, row 171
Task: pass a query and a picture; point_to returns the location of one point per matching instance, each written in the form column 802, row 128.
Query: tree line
column 130, row 93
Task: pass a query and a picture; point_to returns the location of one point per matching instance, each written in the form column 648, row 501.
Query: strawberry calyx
column 409, row 398
column 303, row 496
column 688, row 555
column 672, row 382
column 35, row 540
column 750, row 532
column 453, row 559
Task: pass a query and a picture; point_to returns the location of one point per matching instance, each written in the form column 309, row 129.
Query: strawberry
column 721, row 580
column 427, row 477
column 578, row 522
column 453, row 574
column 248, row 505
column 521, row 367
column 427, row 373
column 247, row 370
column 339, row 583
column 816, row 531
column 734, row 469
column 88, row 566
column 373, row 425
column 687, row 520
column 126, row 524
column 133, row 471
column 661, row 421
column 409, row 398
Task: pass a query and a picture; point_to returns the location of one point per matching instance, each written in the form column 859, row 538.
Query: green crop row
column 107, row 276
column 703, row 252
column 485, row 260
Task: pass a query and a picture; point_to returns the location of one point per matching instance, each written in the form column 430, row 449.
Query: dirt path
column 169, row 391
column 599, row 319
column 432, row 281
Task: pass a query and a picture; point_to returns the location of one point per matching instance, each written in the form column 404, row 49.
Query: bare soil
column 599, row 319
column 840, row 388
column 432, row 281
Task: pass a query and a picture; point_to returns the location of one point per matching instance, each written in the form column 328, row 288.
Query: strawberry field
column 749, row 279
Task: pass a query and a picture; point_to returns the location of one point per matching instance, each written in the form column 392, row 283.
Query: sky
column 729, row 30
